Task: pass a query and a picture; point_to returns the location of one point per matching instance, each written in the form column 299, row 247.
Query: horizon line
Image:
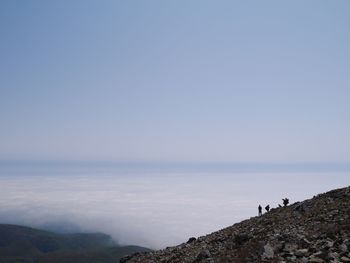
column 173, row 166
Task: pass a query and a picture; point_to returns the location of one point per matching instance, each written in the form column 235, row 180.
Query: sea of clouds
column 151, row 209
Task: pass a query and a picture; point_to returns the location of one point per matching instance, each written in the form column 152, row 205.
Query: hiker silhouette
column 260, row 210
column 267, row 208
column 285, row 201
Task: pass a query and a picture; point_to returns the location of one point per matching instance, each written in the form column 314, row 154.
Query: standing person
column 267, row 208
column 260, row 210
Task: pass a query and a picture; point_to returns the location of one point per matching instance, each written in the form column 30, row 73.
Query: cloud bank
column 153, row 210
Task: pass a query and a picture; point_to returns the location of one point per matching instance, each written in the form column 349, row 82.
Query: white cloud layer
column 152, row 210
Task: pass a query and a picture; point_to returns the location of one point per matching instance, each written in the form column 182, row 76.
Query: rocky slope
column 315, row 230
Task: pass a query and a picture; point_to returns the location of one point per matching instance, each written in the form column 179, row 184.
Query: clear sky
column 212, row 81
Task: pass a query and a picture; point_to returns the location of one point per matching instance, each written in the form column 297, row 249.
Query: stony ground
column 315, row 230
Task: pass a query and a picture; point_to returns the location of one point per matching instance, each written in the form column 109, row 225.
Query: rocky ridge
column 316, row 230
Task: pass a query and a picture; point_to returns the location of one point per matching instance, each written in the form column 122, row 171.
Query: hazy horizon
column 32, row 167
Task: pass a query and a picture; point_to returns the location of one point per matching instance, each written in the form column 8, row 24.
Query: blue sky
column 182, row 81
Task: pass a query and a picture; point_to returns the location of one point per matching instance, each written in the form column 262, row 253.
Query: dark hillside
column 46, row 241
column 24, row 244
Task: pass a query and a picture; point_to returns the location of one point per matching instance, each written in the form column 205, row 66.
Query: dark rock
column 204, row 254
column 302, row 252
column 125, row 259
column 241, row 238
column 191, row 239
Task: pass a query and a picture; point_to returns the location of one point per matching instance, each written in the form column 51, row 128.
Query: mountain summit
column 316, row 230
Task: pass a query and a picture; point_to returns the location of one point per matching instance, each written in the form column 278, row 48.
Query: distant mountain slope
column 24, row 244
column 315, row 230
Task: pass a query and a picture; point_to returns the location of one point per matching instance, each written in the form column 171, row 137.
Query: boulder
column 268, row 251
